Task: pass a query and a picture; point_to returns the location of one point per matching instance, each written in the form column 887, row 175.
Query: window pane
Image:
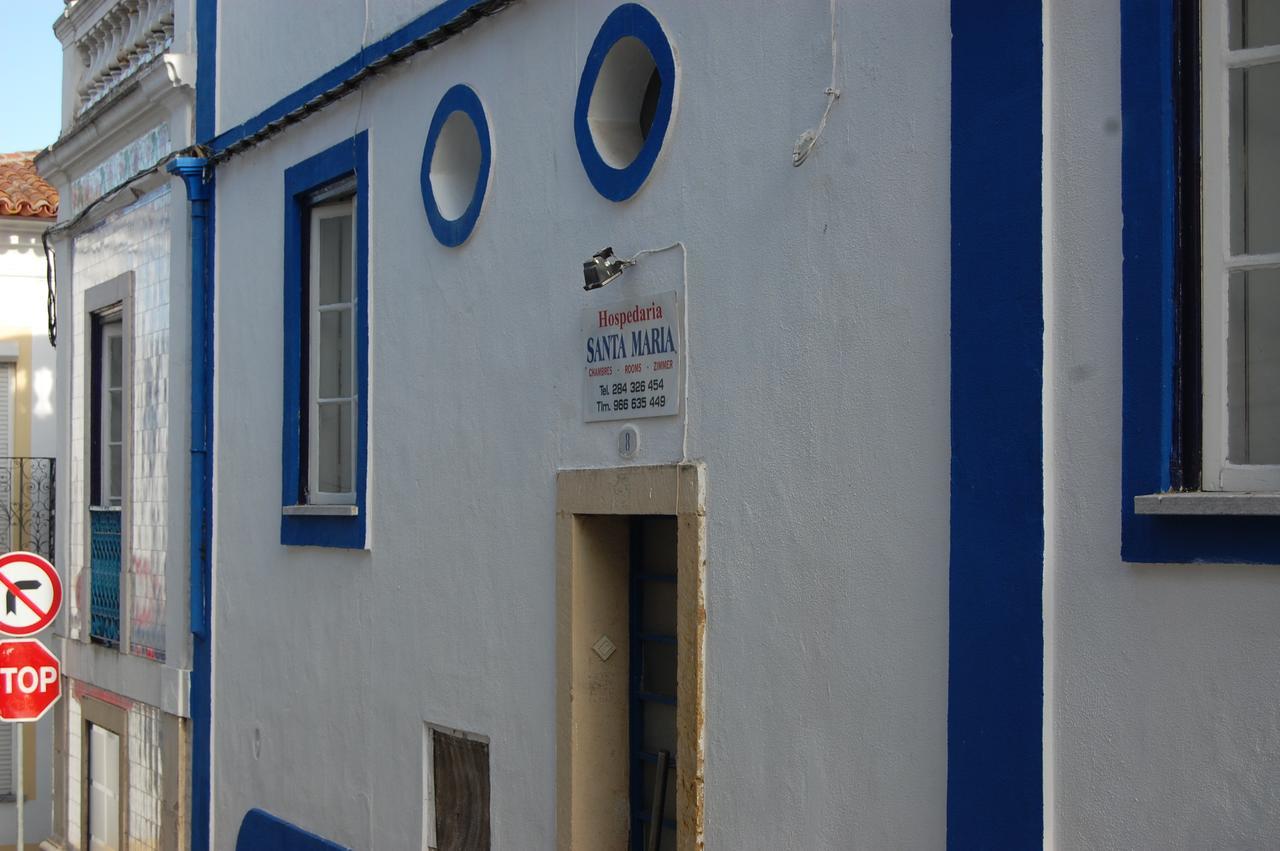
column 659, row 674
column 335, row 353
column 1253, row 367
column 659, row 733
column 659, row 608
column 1255, row 159
column 1254, row 23
column 115, row 416
column 115, row 345
column 650, row 774
column 335, row 260
column 335, row 428
column 115, row 473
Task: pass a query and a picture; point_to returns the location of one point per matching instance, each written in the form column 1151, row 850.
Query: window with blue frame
column 1200, row 84
column 326, row 336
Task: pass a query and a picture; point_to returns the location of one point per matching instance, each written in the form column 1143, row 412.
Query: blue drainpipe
column 196, row 173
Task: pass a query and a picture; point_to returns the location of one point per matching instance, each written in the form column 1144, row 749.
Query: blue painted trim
column 1149, row 157
column 995, row 688
column 206, row 68
column 454, row 232
column 198, row 179
column 419, row 27
column 261, row 831
column 343, row 159
column 634, row 21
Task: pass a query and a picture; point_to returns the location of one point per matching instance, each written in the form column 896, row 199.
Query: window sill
column 1206, row 503
column 320, row 511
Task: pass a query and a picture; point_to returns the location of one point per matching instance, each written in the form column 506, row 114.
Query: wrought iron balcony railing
column 26, row 505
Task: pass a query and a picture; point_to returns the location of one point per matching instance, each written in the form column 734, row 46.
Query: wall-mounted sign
column 632, row 353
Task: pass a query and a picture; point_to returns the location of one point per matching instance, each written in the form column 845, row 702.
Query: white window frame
column 1217, row 60
column 111, row 327
column 319, row 213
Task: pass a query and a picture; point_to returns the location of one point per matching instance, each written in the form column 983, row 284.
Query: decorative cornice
column 158, row 95
column 123, row 38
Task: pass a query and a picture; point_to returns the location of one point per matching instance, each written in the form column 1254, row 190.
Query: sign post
column 30, row 676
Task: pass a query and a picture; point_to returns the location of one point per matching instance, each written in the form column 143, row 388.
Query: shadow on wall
column 261, row 831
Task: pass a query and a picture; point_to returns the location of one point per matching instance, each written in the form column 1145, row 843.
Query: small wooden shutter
column 6, row 478
column 6, row 409
column 7, row 732
column 461, row 773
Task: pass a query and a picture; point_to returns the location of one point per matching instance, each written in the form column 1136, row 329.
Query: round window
column 455, row 165
column 625, row 101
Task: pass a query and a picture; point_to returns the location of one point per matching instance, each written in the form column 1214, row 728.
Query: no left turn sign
column 30, row 593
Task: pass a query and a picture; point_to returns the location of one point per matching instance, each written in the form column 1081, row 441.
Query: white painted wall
column 23, row 317
column 819, row 401
column 1167, row 694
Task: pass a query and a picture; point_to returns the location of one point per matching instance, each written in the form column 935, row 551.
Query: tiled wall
column 142, row 745
column 75, row 771
column 136, row 240
column 146, row 778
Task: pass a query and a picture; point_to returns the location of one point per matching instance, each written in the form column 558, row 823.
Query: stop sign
column 30, row 680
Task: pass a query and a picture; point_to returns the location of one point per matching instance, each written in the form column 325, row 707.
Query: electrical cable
column 74, row 222
column 465, row 19
column 809, row 138
column 684, row 332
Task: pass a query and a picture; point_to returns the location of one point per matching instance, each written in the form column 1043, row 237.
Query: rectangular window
column 326, row 341
column 108, row 374
column 1240, row 127
column 107, row 411
column 103, row 799
column 456, row 774
column 1200, row 80
column 332, row 395
column 105, row 747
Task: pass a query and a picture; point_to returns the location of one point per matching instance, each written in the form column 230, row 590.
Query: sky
column 30, row 73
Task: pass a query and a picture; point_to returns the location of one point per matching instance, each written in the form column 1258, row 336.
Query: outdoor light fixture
column 602, row 268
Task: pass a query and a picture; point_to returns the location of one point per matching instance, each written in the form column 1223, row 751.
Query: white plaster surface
column 818, row 398
column 1166, row 726
column 23, row 316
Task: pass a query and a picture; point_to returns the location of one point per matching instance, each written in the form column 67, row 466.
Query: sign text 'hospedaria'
column 632, row 354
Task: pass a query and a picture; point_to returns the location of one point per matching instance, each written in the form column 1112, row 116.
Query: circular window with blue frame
column 456, row 161
column 626, row 100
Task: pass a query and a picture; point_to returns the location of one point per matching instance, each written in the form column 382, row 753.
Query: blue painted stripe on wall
column 202, row 666
column 995, row 691
column 202, row 644
column 423, row 25
column 261, row 831
column 206, row 68
column 1149, row 153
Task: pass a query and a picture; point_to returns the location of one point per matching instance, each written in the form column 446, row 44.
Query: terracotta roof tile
column 23, row 192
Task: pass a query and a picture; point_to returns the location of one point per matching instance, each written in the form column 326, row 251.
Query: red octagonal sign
column 30, row 680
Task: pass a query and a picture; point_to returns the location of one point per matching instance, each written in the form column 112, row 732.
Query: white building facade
column 902, row 481
column 121, row 745
column 28, row 473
